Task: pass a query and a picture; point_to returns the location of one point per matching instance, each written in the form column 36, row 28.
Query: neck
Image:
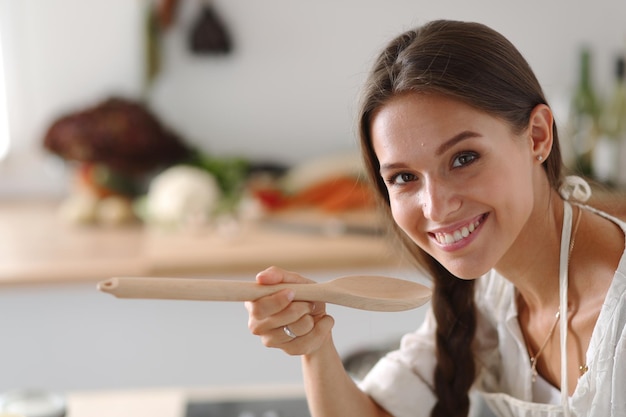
column 532, row 263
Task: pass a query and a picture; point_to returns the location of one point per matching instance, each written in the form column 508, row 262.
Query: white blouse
column 402, row 381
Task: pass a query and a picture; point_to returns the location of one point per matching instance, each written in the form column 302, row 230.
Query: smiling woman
column 461, row 147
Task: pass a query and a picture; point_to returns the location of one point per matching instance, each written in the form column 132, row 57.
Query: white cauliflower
column 182, row 196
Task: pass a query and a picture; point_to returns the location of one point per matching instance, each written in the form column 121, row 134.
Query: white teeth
column 449, row 238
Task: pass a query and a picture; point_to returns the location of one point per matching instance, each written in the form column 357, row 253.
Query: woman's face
column 459, row 180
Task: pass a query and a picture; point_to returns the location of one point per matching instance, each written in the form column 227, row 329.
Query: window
column 4, row 117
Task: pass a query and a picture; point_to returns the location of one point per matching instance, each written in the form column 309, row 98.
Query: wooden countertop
column 37, row 247
column 167, row 402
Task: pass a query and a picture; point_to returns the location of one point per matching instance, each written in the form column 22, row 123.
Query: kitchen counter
column 130, row 403
column 37, row 247
column 168, row 402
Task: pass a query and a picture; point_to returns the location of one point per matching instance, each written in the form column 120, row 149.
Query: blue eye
column 463, row 159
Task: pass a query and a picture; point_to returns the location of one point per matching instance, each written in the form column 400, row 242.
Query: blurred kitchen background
column 284, row 92
column 100, row 98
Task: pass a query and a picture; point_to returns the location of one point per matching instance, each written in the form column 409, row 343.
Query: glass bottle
column 606, row 155
column 584, row 117
column 614, row 124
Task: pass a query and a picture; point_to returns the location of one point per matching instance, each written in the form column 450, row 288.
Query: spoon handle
column 201, row 289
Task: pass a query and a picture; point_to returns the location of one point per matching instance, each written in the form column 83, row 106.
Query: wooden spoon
column 375, row 293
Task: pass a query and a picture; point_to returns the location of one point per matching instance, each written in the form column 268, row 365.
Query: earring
column 539, row 158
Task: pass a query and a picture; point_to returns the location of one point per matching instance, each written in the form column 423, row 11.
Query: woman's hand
column 324, row 375
column 270, row 315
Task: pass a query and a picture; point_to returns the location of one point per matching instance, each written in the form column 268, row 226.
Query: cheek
column 515, row 187
column 405, row 214
column 512, row 196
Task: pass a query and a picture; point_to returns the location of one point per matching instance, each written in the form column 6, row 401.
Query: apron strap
column 563, row 286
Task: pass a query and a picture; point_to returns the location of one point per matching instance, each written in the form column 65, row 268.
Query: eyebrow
column 460, row 137
column 466, row 134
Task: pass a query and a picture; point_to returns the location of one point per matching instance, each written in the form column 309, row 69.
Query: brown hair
column 478, row 66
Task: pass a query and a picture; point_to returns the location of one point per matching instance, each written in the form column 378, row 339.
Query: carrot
column 334, row 194
column 358, row 197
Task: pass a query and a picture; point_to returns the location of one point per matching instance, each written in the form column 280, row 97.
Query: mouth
column 457, row 235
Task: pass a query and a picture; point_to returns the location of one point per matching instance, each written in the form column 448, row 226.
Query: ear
column 540, row 132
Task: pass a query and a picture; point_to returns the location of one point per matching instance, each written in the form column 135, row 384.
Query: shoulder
column 494, row 294
column 599, row 250
column 616, row 299
column 495, row 306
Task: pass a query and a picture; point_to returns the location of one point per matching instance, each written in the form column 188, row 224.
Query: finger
column 312, row 341
column 262, row 325
column 270, row 305
column 318, row 308
column 289, row 333
column 275, row 275
column 305, row 322
column 301, row 327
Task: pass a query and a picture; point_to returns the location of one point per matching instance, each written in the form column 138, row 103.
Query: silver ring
column 288, row 332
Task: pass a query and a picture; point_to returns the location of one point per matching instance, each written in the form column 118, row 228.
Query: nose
column 439, row 200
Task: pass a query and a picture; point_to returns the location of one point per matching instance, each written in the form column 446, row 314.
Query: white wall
column 288, row 90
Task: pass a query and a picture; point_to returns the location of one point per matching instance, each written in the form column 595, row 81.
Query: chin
column 468, row 277
column 467, row 273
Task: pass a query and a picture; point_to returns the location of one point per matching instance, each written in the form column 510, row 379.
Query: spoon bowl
column 365, row 292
